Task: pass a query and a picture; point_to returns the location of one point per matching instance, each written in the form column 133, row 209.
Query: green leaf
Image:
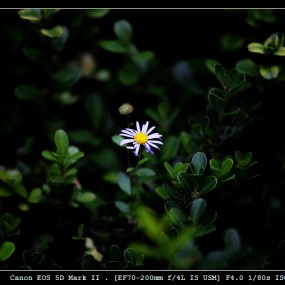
column 73, row 158
column 170, row 170
column 145, row 172
column 216, row 100
column 249, row 67
column 85, row 197
column 35, row 195
column 61, row 142
column 232, row 240
column 54, row 32
column 227, row 165
column 32, row 15
column 123, row 207
column 5, row 192
column 123, row 31
column 211, row 64
column 197, row 209
column 20, row 189
column 9, row 222
column 175, row 213
column 114, row 46
column 180, row 167
column 49, row 155
column 66, row 77
column 124, row 183
column 128, row 75
column 220, row 74
column 256, row 48
column 183, row 179
column 198, row 163
column 130, row 256
column 143, row 56
column 237, row 79
column 204, row 230
column 97, row 13
column 6, row 250
column 208, row 184
column 115, row 253
column 33, row 54
column 117, row 139
column 162, row 193
column 270, row 72
column 28, row 93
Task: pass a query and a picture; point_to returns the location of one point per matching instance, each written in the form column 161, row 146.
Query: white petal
column 138, row 126
column 148, row 149
column 128, row 131
column 154, row 136
column 150, row 130
column 153, row 145
column 144, row 127
column 127, row 135
column 130, row 147
column 137, row 149
column 131, row 130
column 126, row 141
column 152, row 141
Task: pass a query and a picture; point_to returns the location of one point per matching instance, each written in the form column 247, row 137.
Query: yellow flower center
column 141, row 138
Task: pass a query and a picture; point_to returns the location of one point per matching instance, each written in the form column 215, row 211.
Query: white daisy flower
column 141, row 136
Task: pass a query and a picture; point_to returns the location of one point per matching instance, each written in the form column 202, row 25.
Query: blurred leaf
column 249, row 67
column 84, row 136
column 5, row 192
column 117, row 139
column 85, row 197
column 9, row 222
column 124, row 183
column 162, row 193
column 6, row 250
column 97, row 13
column 61, row 141
column 28, row 93
column 270, row 72
column 54, row 32
column 35, row 195
column 143, row 56
column 232, row 240
column 170, row 148
column 114, row 46
column 145, row 172
column 66, row 77
column 33, row 54
column 49, row 155
column 204, row 230
column 123, row 31
column 123, row 207
column 128, row 75
column 32, row 15
column 256, row 48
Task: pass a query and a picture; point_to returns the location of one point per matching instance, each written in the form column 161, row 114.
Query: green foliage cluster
column 71, row 197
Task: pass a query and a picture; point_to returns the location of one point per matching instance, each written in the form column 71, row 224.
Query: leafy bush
column 149, row 144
